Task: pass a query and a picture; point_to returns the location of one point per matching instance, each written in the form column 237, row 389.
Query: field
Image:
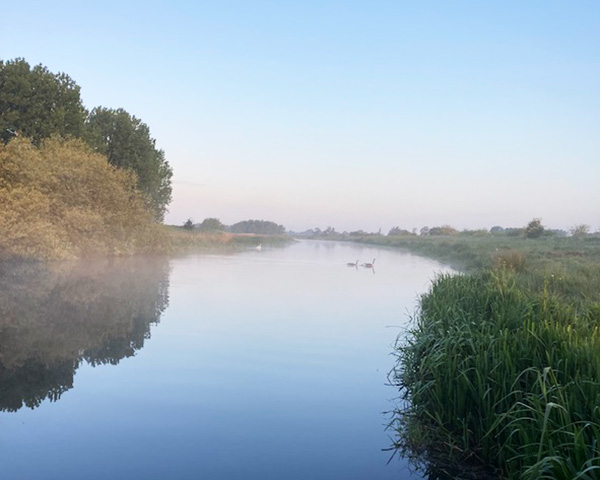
column 501, row 369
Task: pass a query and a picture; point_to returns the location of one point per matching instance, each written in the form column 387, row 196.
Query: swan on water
column 368, row 265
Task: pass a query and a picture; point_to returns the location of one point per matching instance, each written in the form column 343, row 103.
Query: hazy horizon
column 353, row 115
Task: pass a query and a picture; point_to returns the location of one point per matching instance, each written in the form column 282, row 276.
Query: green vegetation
column 575, row 260
column 38, row 104
column 182, row 240
column 211, row 225
column 501, row 370
column 61, row 201
column 534, row 229
column 503, row 378
column 259, row 227
column 127, row 144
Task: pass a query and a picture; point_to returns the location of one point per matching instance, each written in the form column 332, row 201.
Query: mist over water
column 262, row 364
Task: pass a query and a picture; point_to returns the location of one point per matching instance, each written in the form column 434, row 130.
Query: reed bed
column 503, row 374
column 189, row 241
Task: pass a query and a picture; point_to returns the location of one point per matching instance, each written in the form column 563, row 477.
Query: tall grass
column 504, row 377
column 184, row 241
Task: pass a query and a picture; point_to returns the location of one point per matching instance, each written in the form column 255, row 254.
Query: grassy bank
column 569, row 266
column 181, row 240
column 501, row 370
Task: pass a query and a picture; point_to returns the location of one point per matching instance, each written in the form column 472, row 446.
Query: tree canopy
column 37, row 103
column 534, row 229
column 126, row 142
column 261, row 227
column 211, row 225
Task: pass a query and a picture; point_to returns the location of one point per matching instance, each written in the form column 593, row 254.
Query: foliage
column 63, row 201
column 580, row 230
column 510, row 260
column 37, row 103
column 188, row 224
column 126, row 142
column 262, row 227
column 182, row 240
column 443, row 230
column 503, row 376
column 211, row 224
column 479, row 232
column 395, row 231
column 534, row 229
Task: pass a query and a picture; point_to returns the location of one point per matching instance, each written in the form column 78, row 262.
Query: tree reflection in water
column 54, row 316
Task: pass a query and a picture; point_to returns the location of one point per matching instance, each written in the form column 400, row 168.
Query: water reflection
column 53, row 317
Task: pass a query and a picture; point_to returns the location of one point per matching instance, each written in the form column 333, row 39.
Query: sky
column 351, row 114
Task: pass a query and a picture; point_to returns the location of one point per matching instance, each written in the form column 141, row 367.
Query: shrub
column 534, row 229
column 61, row 200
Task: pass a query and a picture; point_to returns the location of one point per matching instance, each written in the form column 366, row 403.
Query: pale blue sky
column 358, row 115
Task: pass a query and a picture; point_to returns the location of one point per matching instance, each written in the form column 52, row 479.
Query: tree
column 126, row 142
column 262, row 227
column 534, row 229
column 189, row 224
column 580, row 230
column 443, row 230
column 36, row 103
column 397, row 231
column 496, row 229
column 211, row 225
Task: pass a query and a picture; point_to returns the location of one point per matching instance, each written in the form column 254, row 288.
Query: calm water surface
column 263, row 365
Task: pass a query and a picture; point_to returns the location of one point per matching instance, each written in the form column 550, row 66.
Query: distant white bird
column 258, row 247
column 368, row 265
column 352, row 264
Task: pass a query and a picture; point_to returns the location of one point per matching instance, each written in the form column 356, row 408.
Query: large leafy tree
column 126, row 142
column 37, row 103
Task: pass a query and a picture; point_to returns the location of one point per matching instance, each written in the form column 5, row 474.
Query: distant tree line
column 257, row 227
column 38, row 104
column 534, row 229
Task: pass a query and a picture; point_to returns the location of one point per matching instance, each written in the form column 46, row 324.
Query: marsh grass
column 182, row 240
column 503, row 376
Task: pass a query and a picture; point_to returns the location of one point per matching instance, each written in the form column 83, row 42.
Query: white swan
column 353, row 264
column 258, row 247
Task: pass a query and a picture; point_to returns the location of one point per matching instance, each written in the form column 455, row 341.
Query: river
column 266, row 364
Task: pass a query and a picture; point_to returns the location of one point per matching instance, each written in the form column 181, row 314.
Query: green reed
column 503, row 373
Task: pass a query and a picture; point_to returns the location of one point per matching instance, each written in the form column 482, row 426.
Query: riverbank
column 500, row 369
column 570, row 266
column 182, row 240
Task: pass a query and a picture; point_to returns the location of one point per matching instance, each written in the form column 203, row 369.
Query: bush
column 61, row 200
column 211, row 225
column 534, row 229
